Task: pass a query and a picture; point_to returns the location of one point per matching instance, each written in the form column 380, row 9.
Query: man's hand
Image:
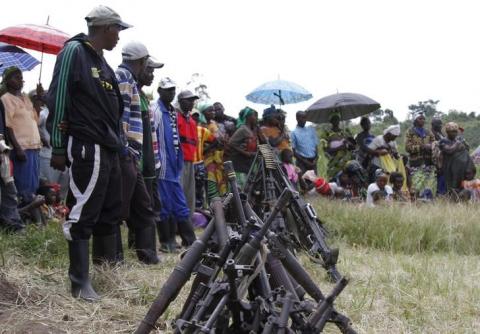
column 63, row 126
column 20, row 154
column 45, row 143
column 58, row 162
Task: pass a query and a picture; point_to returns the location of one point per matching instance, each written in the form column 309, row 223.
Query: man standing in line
column 187, row 130
column 136, row 202
column 150, row 162
column 85, row 93
column 305, row 144
column 174, row 212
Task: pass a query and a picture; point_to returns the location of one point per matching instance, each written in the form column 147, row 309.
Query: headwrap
column 269, row 112
column 243, row 115
column 5, row 76
column 204, row 105
column 380, row 173
column 418, row 114
column 393, row 129
column 451, row 126
column 420, row 131
column 201, row 107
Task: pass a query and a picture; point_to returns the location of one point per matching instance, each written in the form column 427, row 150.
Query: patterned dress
column 337, row 160
column 422, row 170
column 216, row 183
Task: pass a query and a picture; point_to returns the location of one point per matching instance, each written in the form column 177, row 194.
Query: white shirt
column 374, row 187
column 377, row 143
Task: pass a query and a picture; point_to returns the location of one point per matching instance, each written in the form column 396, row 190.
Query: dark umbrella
column 348, row 105
column 11, row 55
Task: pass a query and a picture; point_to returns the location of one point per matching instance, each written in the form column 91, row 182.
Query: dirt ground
column 12, row 308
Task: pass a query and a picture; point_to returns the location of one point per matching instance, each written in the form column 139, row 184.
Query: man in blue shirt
column 304, row 144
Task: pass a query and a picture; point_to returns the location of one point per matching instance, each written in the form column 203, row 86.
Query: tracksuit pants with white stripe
column 94, row 196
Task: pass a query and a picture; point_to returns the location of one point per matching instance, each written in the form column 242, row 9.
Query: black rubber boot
column 131, row 239
column 119, row 244
column 172, row 241
column 185, row 229
column 78, row 271
column 105, row 250
column 163, row 231
column 145, row 245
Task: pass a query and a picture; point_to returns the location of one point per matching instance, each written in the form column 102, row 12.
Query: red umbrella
column 43, row 38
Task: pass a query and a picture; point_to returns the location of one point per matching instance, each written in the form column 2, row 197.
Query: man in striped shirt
column 136, row 203
column 174, row 212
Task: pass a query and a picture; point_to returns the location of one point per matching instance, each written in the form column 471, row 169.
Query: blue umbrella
column 11, row 55
column 279, row 92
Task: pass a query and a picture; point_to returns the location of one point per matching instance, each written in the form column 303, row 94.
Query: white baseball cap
column 134, row 50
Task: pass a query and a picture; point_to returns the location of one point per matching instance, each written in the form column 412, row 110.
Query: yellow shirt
column 21, row 117
column 204, row 135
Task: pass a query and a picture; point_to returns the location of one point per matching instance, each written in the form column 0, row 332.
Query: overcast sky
column 396, row 52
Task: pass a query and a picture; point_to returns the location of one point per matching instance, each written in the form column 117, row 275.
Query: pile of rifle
column 247, row 278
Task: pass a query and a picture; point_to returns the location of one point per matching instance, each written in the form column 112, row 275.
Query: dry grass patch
column 408, row 275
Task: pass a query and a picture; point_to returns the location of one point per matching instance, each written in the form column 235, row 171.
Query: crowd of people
column 95, row 152
column 370, row 168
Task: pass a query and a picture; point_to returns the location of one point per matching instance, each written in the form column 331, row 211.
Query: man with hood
column 84, row 94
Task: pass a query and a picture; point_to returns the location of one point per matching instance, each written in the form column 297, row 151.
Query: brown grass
column 391, row 291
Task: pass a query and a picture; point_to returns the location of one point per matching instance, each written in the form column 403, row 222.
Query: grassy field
column 412, row 270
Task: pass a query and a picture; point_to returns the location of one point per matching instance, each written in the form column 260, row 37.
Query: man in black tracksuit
column 84, row 95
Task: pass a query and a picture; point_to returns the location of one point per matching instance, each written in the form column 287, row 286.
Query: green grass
column 440, row 227
column 412, row 270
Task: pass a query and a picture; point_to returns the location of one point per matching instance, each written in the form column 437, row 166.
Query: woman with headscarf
column 455, row 158
column 418, row 144
column 274, row 129
column 243, row 143
column 21, row 122
column 338, row 144
column 385, row 155
column 213, row 158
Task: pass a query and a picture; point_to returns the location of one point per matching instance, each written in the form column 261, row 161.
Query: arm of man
column 58, row 102
column 126, row 90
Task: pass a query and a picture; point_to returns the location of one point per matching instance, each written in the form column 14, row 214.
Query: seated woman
column 352, row 179
column 338, row 145
column 379, row 190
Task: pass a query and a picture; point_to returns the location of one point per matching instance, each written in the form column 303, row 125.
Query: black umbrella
column 348, row 105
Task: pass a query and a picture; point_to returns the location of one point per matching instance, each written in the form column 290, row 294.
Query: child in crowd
column 471, row 186
column 286, row 156
column 379, row 190
column 399, row 195
column 52, row 208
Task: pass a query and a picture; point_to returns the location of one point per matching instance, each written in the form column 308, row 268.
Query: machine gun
column 265, row 181
column 246, row 278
